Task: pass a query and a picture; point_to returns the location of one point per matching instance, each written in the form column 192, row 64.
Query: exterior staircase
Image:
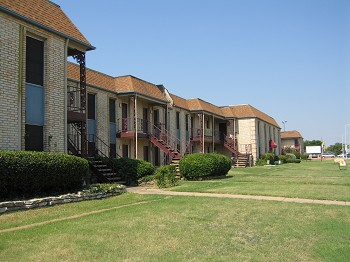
column 166, row 142
column 103, row 170
column 242, row 160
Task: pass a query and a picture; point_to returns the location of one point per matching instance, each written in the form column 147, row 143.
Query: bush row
column 28, row 174
column 197, row 165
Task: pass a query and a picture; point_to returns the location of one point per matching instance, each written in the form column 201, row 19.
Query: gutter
column 31, row 21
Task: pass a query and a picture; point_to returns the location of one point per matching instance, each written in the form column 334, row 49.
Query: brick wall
column 9, row 72
column 12, row 98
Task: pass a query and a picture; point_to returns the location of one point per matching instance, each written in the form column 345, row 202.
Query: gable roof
column 196, row 104
column 248, row 111
column 47, row 15
column 129, row 83
column 179, row 101
column 290, row 134
column 120, row 85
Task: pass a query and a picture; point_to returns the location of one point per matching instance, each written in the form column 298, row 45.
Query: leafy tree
column 312, row 143
column 336, row 148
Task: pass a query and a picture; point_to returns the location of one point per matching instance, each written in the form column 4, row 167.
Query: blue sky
column 290, row 58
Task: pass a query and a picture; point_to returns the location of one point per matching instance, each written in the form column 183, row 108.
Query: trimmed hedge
column 131, row 170
column 195, row 166
column 27, row 174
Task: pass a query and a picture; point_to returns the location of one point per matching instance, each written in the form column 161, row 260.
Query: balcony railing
column 73, row 99
column 129, row 124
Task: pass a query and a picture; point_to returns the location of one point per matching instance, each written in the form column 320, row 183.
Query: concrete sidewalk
column 154, row 191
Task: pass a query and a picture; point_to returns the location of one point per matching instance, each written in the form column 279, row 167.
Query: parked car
column 344, row 155
column 328, row 155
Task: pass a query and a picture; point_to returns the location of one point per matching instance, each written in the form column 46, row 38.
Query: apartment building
column 49, row 104
column 36, row 39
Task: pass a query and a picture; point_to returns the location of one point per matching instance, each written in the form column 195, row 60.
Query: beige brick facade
column 9, row 85
column 12, row 112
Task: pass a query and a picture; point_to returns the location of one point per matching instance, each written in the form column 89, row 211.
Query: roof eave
column 143, row 95
column 31, row 21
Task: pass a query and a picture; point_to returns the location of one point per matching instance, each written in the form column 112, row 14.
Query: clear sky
column 288, row 58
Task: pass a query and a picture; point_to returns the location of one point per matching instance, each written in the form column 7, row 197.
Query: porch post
column 213, row 133
column 136, row 125
column 203, row 141
column 80, row 58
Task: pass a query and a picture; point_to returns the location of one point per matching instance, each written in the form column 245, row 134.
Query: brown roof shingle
column 45, row 14
column 196, row 104
column 179, row 101
column 291, row 134
column 134, row 84
column 246, row 111
column 92, row 77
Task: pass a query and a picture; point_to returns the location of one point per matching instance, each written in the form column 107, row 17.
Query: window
column 111, row 110
column 177, row 120
column 34, row 107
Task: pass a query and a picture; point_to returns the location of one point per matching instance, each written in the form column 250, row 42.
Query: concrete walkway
column 154, row 191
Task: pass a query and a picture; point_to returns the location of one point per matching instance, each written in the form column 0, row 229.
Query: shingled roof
column 129, row 83
column 290, row 134
column 179, row 101
column 47, row 15
column 92, row 77
column 248, row 111
column 121, row 85
column 196, row 104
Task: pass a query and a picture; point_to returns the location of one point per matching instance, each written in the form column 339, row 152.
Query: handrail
column 99, row 145
column 164, row 134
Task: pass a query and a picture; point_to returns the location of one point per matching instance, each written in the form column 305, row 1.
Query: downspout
column 19, row 91
column 65, row 94
column 136, row 127
column 203, row 133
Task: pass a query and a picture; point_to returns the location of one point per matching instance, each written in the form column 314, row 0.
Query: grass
column 182, row 229
column 313, row 179
column 179, row 228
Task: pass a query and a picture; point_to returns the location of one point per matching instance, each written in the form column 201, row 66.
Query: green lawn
column 134, row 227
column 180, row 229
column 312, row 179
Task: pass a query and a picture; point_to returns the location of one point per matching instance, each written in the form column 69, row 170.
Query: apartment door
column 91, row 124
column 125, row 151
column 145, row 121
column 112, row 129
column 222, row 130
column 124, row 117
column 156, row 123
column 156, row 156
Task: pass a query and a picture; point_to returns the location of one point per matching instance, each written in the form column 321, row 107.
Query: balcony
column 127, row 127
column 75, row 111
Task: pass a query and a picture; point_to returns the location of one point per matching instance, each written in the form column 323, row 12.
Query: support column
column 80, row 58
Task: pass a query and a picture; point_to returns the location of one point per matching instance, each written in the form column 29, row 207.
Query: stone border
column 11, row 206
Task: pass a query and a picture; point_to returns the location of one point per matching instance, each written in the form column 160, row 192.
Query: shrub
column 260, row 162
column 290, row 156
column 283, row 159
column 297, row 154
column 165, row 176
column 195, row 166
column 131, row 170
column 268, row 157
column 290, row 160
column 305, row 156
column 27, row 174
